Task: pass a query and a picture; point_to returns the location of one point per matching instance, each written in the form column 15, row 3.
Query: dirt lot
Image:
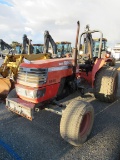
column 40, row 139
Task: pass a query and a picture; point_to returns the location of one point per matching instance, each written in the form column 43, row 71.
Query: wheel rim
column 85, row 124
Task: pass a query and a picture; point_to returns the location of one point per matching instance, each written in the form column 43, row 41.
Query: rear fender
column 99, row 63
column 108, row 60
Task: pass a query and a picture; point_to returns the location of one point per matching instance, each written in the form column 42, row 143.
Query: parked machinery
column 42, row 84
column 64, row 49
column 59, row 49
column 38, row 48
column 105, row 53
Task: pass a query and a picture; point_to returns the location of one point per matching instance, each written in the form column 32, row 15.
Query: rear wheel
column 112, row 63
column 76, row 122
column 106, row 84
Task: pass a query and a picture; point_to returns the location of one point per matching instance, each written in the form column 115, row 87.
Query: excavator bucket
column 5, row 87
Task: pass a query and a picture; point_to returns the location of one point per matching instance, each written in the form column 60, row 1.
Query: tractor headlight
column 35, row 93
column 30, row 93
column 25, row 92
column 107, row 55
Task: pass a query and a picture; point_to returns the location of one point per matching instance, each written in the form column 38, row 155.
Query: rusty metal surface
column 22, row 102
column 20, row 107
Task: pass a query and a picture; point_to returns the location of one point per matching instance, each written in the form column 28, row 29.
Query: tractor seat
column 85, row 67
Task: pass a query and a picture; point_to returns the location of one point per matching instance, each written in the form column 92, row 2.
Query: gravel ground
column 40, row 139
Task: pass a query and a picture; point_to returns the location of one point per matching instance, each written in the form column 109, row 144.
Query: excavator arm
column 26, row 42
column 48, row 39
column 4, row 45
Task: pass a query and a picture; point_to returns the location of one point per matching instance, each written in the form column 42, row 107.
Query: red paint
column 47, row 63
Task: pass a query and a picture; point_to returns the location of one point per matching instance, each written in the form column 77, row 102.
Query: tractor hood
column 47, row 63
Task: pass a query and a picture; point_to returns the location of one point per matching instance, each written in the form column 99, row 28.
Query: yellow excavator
column 10, row 66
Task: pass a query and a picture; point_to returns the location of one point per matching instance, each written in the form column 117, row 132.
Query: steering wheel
column 84, row 57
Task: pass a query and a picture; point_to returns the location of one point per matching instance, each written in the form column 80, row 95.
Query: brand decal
column 61, row 63
column 52, row 80
column 57, row 68
column 67, row 62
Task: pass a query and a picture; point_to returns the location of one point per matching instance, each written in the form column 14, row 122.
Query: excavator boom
column 48, row 39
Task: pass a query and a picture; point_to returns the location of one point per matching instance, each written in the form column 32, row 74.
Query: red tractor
column 42, row 85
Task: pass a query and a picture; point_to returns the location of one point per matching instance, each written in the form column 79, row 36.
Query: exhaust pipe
column 76, row 48
column 29, row 46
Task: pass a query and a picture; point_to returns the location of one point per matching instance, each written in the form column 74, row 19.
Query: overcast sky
column 33, row 17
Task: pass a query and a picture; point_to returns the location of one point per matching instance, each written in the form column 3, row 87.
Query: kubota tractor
column 44, row 84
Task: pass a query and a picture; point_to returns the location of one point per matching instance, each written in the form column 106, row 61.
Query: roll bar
column 90, row 32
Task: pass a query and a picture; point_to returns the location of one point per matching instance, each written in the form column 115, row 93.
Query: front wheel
column 76, row 122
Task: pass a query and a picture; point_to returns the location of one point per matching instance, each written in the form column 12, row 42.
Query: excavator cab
column 38, row 48
column 18, row 48
column 63, row 48
column 96, row 43
column 105, row 53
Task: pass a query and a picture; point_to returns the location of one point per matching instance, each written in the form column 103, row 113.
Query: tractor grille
column 32, row 76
